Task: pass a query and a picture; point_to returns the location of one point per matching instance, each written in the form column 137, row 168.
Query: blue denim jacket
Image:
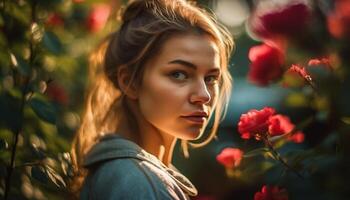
column 120, row 169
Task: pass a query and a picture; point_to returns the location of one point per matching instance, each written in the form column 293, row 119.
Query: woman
column 158, row 79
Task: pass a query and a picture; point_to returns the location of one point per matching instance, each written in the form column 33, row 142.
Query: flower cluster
column 264, row 123
column 271, row 193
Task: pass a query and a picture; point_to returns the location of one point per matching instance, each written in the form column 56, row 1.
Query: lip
column 198, row 117
column 195, row 119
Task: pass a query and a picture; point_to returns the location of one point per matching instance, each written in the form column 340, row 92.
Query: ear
column 126, row 85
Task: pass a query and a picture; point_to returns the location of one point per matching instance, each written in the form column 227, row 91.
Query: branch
column 279, row 157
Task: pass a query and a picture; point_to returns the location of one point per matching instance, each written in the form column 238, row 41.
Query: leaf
column 55, row 177
column 346, row 120
column 20, row 64
column 39, row 174
column 256, row 152
column 38, row 152
column 43, row 110
column 52, row 43
column 3, row 144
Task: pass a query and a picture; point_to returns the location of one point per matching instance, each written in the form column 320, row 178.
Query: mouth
column 195, row 119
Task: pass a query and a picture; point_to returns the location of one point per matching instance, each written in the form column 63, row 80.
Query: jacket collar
column 113, row 146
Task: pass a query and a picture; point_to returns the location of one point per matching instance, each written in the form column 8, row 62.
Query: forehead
column 198, row 49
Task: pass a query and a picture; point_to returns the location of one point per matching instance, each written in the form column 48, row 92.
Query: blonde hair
column 146, row 25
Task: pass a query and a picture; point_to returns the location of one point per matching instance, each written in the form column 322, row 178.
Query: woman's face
column 180, row 86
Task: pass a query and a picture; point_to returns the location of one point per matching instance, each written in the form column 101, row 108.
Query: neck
column 149, row 138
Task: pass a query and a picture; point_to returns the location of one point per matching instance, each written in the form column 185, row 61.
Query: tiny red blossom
column 339, row 19
column 320, row 61
column 230, row 157
column 301, row 71
column 54, row 20
column 271, row 193
column 297, row 137
column 279, row 125
column 98, row 17
column 57, row 93
column 254, row 122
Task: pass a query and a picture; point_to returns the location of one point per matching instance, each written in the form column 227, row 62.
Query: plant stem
column 15, row 142
column 19, row 129
column 279, row 157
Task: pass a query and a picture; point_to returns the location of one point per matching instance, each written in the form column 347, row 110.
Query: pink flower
column 271, row 193
column 98, row 17
column 297, row 137
column 255, row 122
column 230, row 157
column 339, row 19
column 275, row 19
column 266, row 64
column 279, row 125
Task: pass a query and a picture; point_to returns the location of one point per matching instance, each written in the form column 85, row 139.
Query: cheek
column 159, row 100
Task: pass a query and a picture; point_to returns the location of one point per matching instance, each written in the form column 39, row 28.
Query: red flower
column 271, row 193
column 57, row 94
column 301, row 71
column 98, row 17
column 255, row 122
column 279, row 125
column 297, row 137
column 320, row 61
column 275, row 19
column 339, row 19
column 266, row 64
column 54, row 20
column 230, row 157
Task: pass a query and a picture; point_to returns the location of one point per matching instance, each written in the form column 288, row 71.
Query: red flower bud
column 230, row 157
column 98, row 17
column 271, row 193
column 266, row 64
column 297, row 137
column 339, row 19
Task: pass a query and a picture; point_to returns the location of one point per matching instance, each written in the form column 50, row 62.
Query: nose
column 200, row 94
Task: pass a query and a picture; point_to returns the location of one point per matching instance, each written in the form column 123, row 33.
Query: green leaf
column 256, row 152
column 52, row 43
column 43, row 110
column 3, row 144
column 39, row 174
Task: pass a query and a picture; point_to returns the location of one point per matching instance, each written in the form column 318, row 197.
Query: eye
column 179, row 75
column 212, row 79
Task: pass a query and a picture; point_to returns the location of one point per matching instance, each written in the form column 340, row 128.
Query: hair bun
column 134, row 9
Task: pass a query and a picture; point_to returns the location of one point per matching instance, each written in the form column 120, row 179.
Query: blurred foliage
column 43, row 58
column 44, row 62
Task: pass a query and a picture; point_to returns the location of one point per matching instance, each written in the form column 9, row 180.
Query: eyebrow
column 190, row 65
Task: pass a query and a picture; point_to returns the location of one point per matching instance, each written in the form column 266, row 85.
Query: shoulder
column 125, row 178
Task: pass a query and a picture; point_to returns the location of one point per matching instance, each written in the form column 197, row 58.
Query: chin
column 192, row 134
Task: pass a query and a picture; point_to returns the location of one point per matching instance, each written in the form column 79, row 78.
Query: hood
column 113, row 146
